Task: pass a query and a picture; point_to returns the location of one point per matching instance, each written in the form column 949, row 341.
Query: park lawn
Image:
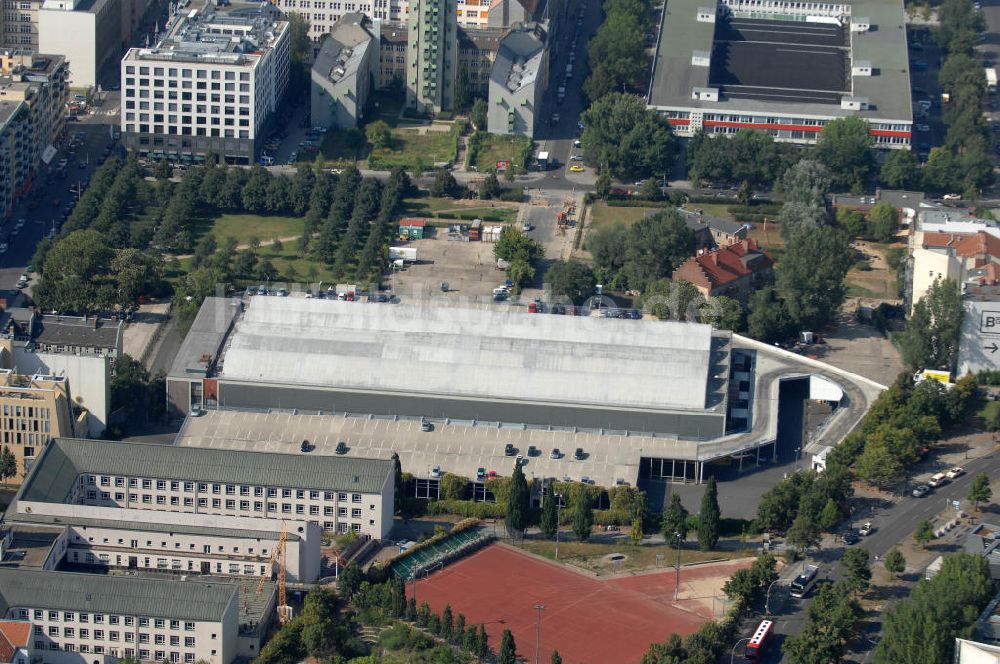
column 412, row 150
column 243, row 227
column 590, row 555
column 494, row 148
column 602, row 214
column 338, row 148
column 426, row 205
column 720, row 210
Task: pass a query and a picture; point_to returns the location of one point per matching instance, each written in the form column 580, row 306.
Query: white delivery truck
column 991, row 79
column 405, row 254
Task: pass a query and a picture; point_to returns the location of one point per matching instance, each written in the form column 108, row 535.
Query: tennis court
column 586, row 619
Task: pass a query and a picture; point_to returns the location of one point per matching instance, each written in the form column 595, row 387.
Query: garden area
column 485, row 150
column 449, row 209
column 383, row 146
column 620, row 555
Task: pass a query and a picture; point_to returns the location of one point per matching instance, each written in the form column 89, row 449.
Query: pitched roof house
column 734, row 270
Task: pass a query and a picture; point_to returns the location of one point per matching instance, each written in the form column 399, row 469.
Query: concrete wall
column 928, row 266
column 89, row 380
column 85, row 38
column 701, row 425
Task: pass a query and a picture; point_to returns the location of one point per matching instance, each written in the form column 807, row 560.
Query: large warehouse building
column 451, row 388
column 786, row 68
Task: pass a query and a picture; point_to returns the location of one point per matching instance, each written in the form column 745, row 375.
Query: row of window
column 113, row 635
column 144, row 655
column 214, row 74
column 186, row 120
column 217, row 503
column 216, row 488
column 185, row 130
column 100, row 618
column 27, row 411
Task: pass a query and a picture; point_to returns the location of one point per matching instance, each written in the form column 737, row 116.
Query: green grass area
column 426, row 205
column 339, row 148
column 447, row 208
column 857, row 290
column 412, row 149
column 720, row 210
column 591, row 555
column 602, row 214
column 243, row 227
column 494, row 148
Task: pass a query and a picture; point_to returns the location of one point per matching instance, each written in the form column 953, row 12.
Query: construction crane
column 277, row 556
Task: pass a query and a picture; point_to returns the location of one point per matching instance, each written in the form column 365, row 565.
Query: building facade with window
column 34, row 409
column 87, row 32
column 213, row 488
column 722, row 67
column 209, row 87
column 84, row 618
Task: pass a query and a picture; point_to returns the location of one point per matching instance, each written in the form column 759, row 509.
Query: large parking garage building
column 786, row 68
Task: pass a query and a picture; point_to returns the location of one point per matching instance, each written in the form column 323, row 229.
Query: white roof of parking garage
column 472, row 353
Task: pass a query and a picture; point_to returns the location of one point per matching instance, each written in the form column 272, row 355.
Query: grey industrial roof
column 472, row 353
column 884, row 46
column 64, row 459
column 14, row 516
column 203, row 343
column 519, row 58
column 696, row 221
column 63, row 330
column 125, row 595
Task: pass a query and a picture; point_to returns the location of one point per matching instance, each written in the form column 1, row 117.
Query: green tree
column 894, row 562
column 482, row 642
column 852, row 221
column 650, row 190
column 830, row 515
column 832, row 621
column 463, row 89
column 979, row 490
column 858, row 567
column 478, row 115
column 508, row 649
column 399, row 495
column 922, row 629
column 572, row 279
column 299, row 53
column 810, row 277
column 901, row 170
column 636, row 533
column 444, row 185
column 674, row 521
column 489, row 187
column 550, row 514
column 453, row 486
column 514, row 245
column 8, row 465
column 924, row 533
column 803, row 533
column 447, row 623
column 709, row 517
column 379, row 134
column 654, row 247
column 583, row 515
column 723, row 313
column 767, row 318
column 806, row 182
column 602, row 186
column 845, row 147
column 882, row 222
column 931, row 337
column 518, row 503
column 556, row 659
column 625, row 139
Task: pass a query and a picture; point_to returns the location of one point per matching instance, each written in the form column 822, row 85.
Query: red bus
column 757, row 645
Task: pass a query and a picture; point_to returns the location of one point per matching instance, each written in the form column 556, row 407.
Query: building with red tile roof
column 15, row 637
column 734, row 270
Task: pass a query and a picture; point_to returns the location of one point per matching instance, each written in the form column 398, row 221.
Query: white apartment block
column 209, row 87
column 89, row 618
column 208, row 487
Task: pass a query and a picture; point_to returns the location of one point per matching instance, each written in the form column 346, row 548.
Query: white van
column 937, row 480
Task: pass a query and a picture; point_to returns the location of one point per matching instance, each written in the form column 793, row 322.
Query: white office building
column 209, row 87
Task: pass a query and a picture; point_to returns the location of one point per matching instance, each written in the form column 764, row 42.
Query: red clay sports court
column 586, row 619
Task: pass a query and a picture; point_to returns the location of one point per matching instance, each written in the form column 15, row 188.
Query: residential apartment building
column 20, row 24
column 35, row 410
column 87, row 32
column 151, row 482
column 477, row 51
column 210, row 86
column 15, row 153
column 342, row 74
column 735, row 270
column 82, row 618
column 518, row 82
column 432, row 56
column 78, row 335
column 40, row 81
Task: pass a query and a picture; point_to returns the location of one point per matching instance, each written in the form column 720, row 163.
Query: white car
column 576, row 157
column 955, row 472
column 952, row 197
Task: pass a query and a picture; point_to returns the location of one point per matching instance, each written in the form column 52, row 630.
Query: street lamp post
column 538, row 629
column 677, row 567
column 732, row 655
column 767, row 598
column 798, row 457
column 558, row 497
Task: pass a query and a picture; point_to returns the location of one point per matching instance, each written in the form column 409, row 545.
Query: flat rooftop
column 766, row 64
column 780, row 60
column 202, row 345
column 485, row 354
